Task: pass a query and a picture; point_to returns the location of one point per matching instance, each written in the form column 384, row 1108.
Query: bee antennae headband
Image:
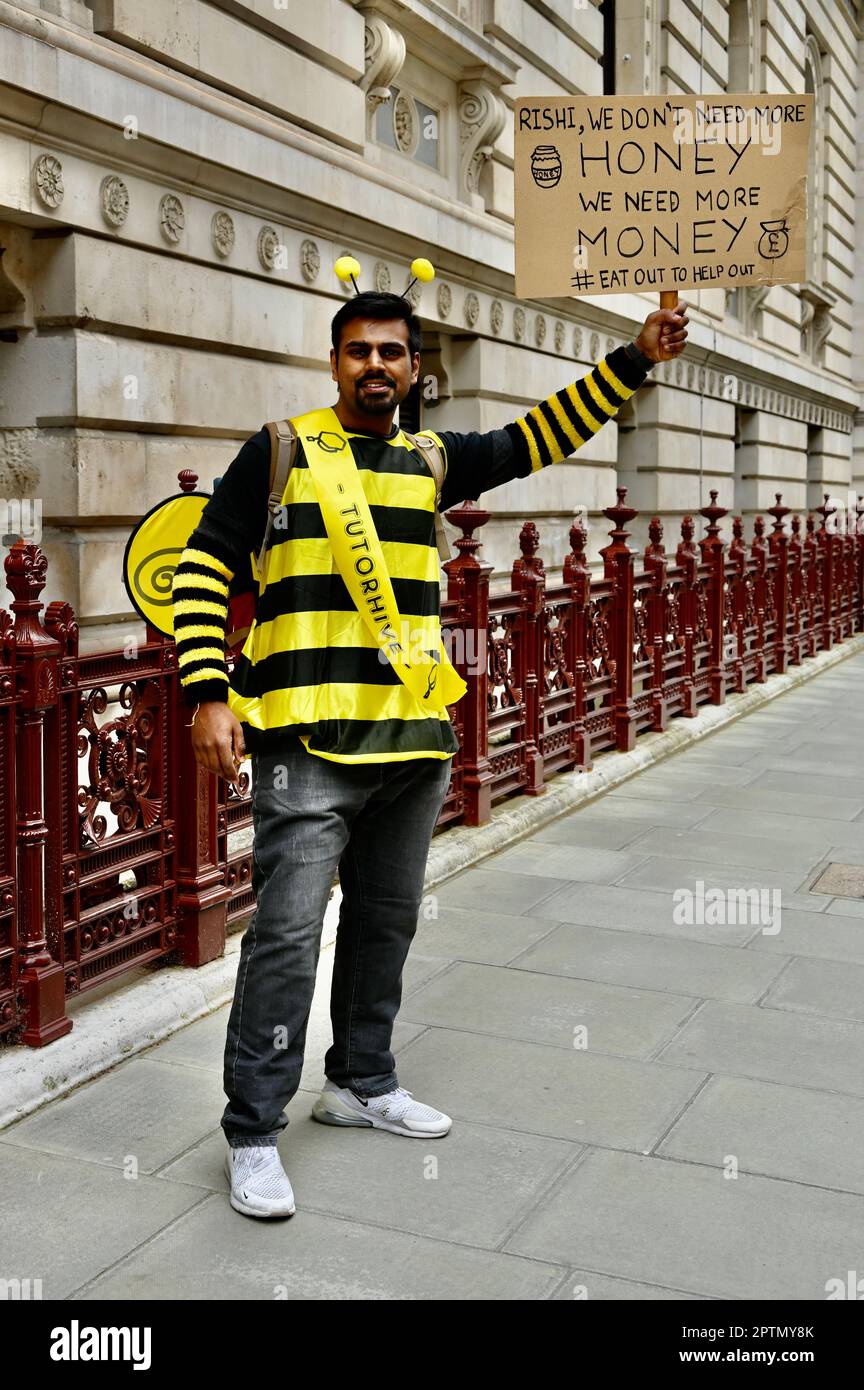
column 348, row 268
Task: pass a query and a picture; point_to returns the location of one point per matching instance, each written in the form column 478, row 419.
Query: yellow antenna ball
column 423, row 270
column 347, row 268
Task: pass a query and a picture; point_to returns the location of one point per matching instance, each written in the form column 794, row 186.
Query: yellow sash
column 360, row 559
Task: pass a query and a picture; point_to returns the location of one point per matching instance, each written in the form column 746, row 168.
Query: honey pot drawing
column 545, row 166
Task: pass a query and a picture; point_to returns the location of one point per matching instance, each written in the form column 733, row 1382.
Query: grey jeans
column 374, row 821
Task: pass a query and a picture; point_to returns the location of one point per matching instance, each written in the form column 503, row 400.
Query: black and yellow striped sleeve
column 199, row 591
column 561, row 424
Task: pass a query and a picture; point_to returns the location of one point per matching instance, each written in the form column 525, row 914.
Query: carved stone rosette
column 222, row 233
column 445, row 300
column 381, row 276
column 406, row 123
column 472, row 309
column 310, row 261
column 496, row 316
column 384, row 54
column 48, row 180
column 114, row 200
column 268, row 247
column 172, row 218
column 482, row 115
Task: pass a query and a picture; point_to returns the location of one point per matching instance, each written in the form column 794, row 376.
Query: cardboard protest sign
column 660, row 193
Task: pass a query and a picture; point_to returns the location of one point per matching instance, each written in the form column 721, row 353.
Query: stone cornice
column 819, row 296
column 725, row 381
column 442, row 33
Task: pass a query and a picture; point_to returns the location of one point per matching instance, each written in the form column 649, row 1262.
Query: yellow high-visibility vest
column 310, row 665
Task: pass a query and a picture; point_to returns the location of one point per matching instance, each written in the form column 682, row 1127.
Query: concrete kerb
column 146, row 1010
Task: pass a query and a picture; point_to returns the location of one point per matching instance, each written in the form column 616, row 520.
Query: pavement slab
column 773, row 1044
column 216, row 1254
column 621, row 908
column 820, row 988
column 583, row 1096
column 547, row 1008
column 648, row 961
column 789, row 1132
column 106, row 1212
column 828, row 935
column 661, row 1221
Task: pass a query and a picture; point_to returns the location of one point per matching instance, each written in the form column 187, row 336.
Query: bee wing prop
column 153, row 552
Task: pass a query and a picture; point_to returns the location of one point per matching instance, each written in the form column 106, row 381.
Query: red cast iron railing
column 115, row 847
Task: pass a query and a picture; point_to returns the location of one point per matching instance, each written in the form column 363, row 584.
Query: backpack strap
column 283, row 451
column 434, row 455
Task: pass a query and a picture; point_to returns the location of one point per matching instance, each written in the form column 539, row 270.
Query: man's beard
column 375, row 403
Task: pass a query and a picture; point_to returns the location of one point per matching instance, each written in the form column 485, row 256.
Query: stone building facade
column 178, row 177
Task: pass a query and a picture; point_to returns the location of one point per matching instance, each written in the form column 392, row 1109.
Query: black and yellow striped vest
column 309, row 664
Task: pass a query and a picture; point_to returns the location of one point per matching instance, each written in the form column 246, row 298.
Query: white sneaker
column 396, row 1111
column 259, row 1183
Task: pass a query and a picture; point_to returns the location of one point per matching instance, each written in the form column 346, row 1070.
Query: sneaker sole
column 249, row 1210
column 262, row 1215
column 329, row 1117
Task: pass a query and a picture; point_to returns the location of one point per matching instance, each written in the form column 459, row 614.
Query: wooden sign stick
column 668, row 299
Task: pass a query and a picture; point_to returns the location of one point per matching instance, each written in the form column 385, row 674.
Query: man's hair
column 374, row 305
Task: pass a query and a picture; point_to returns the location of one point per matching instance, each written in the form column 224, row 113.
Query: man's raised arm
column 559, row 425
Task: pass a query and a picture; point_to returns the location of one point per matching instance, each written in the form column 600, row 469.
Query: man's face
column 375, row 369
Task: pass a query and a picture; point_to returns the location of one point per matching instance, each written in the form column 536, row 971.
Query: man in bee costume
column 340, row 697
